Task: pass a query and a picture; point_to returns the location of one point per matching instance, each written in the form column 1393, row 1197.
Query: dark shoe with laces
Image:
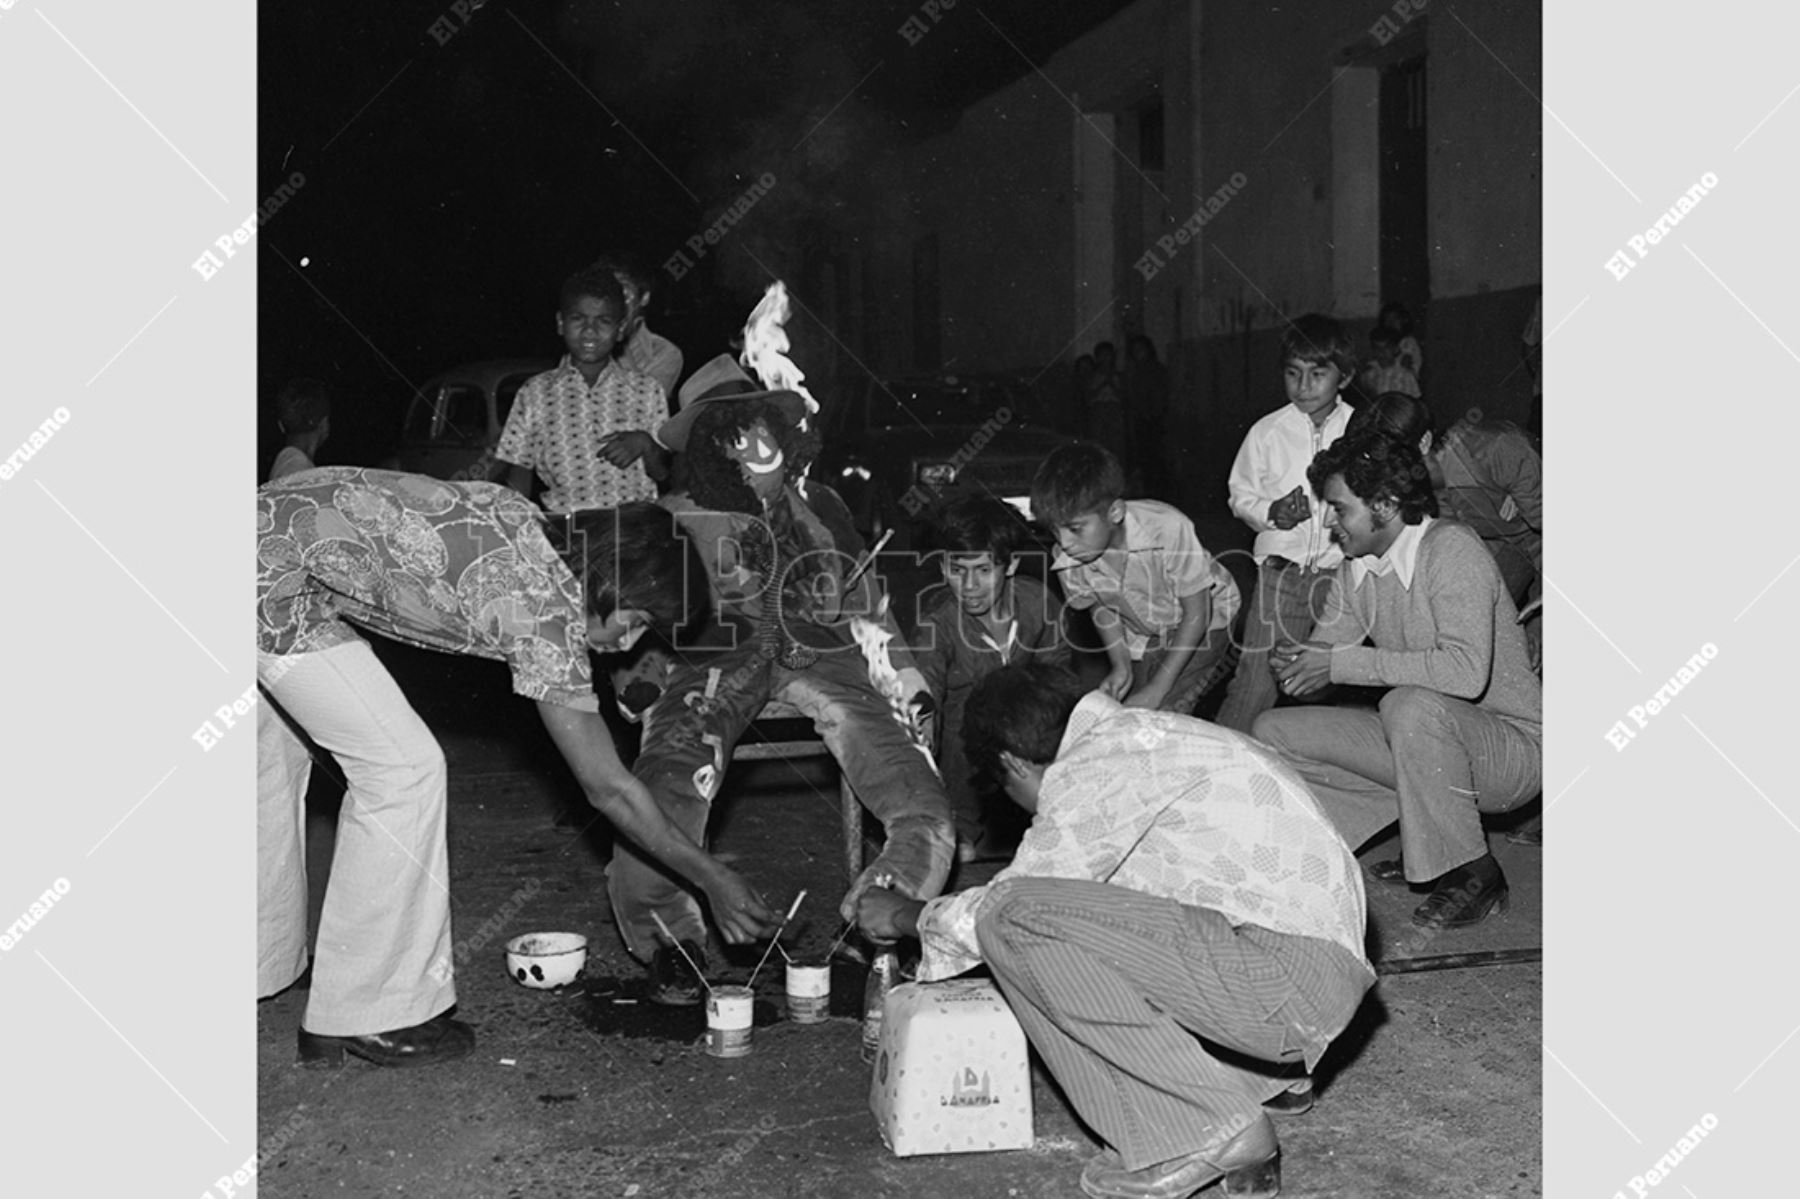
column 439, row 1039
column 1298, row 1098
column 1391, row 870
column 1465, row 896
column 673, row 982
column 1248, row 1166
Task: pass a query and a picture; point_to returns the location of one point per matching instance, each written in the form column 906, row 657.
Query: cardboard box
column 952, row 1075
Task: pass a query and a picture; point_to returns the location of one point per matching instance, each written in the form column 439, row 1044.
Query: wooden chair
column 764, row 744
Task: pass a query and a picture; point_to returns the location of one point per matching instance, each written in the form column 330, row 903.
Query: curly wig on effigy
column 714, row 480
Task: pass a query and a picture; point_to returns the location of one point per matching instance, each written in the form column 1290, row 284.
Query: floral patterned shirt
column 1174, row 807
column 458, row 567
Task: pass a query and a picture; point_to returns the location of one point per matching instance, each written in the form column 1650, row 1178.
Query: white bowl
column 546, row 960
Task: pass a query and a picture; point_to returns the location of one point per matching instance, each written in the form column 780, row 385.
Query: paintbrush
column 792, row 908
column 684, row 953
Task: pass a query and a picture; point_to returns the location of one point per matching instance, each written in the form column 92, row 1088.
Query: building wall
column 1000, row 191
column 1270, row 254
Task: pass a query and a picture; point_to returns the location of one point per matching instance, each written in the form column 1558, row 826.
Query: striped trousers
column 1116, row 989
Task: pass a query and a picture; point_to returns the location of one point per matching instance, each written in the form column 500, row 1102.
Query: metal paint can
column 808, row 992
column 729, row 1021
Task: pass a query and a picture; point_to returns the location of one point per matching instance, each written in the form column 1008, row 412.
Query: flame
column 766, row 346
column 873, row 640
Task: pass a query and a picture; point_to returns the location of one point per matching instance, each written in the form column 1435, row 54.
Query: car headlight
column 854, row 471
column 937, row 474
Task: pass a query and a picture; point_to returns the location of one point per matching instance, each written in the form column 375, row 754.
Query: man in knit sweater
column 1461, row 731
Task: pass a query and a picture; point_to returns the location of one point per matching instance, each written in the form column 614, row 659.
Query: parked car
column 454, row 422
column 896, row 448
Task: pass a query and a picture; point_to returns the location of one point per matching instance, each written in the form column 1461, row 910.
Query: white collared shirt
column 1400, row 558
column 1270, row 464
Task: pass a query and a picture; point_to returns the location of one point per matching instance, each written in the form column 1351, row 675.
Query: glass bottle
column 884, row 974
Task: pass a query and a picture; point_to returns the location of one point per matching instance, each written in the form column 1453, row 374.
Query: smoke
column 725, row 93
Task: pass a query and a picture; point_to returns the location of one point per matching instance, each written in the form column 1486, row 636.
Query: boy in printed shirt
column 584, row 427
column 986, row 618
column 1163, row 605
column 1295, row 558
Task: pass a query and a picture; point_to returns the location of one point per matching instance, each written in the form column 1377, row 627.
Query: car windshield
column 905, row 403
column 421, row 415
column 507, row 392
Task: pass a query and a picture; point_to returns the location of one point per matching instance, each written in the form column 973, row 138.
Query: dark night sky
column 449, row 187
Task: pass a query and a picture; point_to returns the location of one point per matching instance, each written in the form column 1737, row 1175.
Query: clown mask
column 759, row 456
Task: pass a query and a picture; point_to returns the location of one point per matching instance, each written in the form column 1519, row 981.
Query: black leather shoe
column 1248, row 1166
column 439, row 1039
column 1465, row 896
column 673, row 982
column 1296, row 1099
column 1392, row 870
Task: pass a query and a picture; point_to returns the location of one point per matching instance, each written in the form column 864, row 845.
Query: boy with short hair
column 1163, row 605
column 303, row 410
column 1295, row 558
column 986, row 618
column 584, row 426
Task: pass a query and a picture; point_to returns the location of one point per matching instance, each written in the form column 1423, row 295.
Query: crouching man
column 1461, row 732
column 1177, row 881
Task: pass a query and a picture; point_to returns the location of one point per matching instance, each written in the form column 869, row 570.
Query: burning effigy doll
column 791, row 624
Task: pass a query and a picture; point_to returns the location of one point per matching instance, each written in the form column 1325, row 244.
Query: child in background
column 1163, row 605
column 303, row 409
column 1395, row 316
column 986, row 618
column 1384, row 372
column 1295, row 559
column 638, row 348
column 1105, row 401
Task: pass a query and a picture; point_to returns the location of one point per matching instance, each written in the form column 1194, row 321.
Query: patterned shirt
column 1162, row 562
column 459, row 567
column 556, row 426
column 1178, row 808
